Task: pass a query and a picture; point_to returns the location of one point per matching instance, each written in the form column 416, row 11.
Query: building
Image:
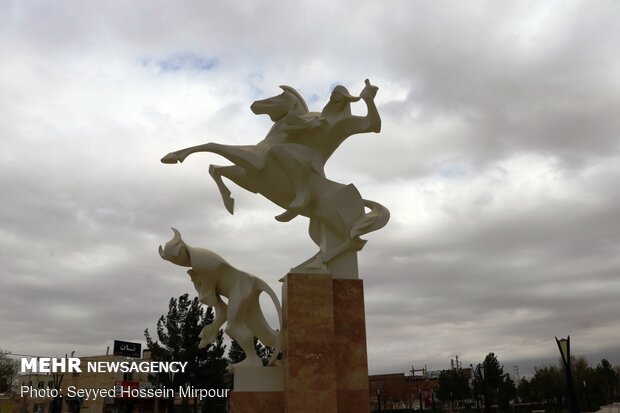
column 42, row 390
column 106, row 389
column 400, row 391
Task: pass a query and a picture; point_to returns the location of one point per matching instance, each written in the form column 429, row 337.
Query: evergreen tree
column 524, row 391
column 235, row 353
column 593, row 385
column 262, row 351
column 493, row 371
column 507, row 391
column 9, row 368
column 178, row 335
column 548, row 386
column 610, row 378
column 453, row 386
column 495, row 386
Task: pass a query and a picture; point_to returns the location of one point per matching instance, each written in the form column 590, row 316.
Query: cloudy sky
column 499, row 159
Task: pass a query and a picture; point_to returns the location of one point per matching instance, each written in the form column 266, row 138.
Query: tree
column 548, row 385
column 263, row 351
column 496, row 386
column 525, row 391
column 490, row 381
column 236, row 354
column 9, row 368
column 178, row 335
column 453, row 385
column 592, row 385
column 610, row 377
column 506, row 392
column 493, row 371
column 589, row 386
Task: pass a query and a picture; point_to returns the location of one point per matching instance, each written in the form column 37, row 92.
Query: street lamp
column 564, row 346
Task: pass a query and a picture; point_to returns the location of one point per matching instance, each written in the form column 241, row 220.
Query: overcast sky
column 499, row 160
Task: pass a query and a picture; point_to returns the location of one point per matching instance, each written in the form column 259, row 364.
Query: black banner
column 127, row 349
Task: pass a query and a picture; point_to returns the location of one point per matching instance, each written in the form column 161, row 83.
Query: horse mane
column 300, row 100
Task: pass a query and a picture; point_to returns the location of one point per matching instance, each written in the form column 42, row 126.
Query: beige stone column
column 325, row 365
column 310, row 355
column 256, row 402
column 350, row 345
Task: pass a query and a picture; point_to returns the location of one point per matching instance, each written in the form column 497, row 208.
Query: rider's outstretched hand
column 369, row 92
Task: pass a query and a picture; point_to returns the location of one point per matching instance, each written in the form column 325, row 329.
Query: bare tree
column 9, row 368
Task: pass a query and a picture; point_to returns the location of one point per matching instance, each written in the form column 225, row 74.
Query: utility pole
column 413, row 370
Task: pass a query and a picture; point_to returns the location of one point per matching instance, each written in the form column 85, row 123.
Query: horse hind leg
column 240, row 297
column 216, row 172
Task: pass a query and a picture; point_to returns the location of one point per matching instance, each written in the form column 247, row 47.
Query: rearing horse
column 287, row 167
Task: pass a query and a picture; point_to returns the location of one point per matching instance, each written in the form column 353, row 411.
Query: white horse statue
column 287, row 167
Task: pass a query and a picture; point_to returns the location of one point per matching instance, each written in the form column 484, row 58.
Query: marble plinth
column 309, row 351
column 259, row 379
column 325, row 349
column 257, row 402
column 350, row 345
column 325, row 366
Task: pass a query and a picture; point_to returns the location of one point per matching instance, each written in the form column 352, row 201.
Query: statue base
column 256, row 402
column 259, row 379
column 325, row 362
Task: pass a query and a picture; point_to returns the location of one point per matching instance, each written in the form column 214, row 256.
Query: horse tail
column 263, row 286
column 375, row 219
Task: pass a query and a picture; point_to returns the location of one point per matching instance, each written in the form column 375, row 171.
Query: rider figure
column 294, row 161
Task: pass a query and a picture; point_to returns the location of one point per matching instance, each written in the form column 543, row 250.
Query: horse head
column 289, row 101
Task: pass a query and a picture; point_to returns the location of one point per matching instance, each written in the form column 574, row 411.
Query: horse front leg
column 229, row 201
column 236, row 174
column 246, row 156
column 180, row 155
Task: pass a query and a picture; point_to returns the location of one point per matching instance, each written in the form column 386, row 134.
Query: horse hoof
column 229, row 203
column 170, row 158
column 286, row 216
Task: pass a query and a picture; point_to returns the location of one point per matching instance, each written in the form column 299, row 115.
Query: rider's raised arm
column 372, row 120
column 363, row 124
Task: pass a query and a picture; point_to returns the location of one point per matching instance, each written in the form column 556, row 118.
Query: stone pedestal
column 325, row 360
column 326, row 366
column 309, row 349
column 350, row 345
column 256, row 402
